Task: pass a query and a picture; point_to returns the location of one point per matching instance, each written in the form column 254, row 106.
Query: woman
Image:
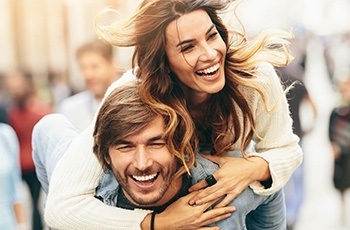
column 231, row 92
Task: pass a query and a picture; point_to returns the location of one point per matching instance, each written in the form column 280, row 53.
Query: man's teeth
column 209, row 70
column 145, row 178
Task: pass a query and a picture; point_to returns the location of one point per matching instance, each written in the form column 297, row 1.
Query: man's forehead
column 154, row 130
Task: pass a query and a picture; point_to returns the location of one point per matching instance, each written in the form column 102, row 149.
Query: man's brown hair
column 124, row 113
column 96, row 46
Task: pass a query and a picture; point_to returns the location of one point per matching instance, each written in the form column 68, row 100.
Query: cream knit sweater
column 71, row 203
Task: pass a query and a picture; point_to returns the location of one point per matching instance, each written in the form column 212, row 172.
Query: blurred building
column 41, row 36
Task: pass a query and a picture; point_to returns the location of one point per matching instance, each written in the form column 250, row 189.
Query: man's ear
column 108, row 159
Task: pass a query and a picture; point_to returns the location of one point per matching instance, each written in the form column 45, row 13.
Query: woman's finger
column 217, row 218
column 208, row 195
column 200, row 194
column 227, row 200
column 198, row 186
column 217, row 214
column 202, row 184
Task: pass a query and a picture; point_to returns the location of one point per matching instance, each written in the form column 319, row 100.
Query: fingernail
column 190, row 190
column 191, row 202
column 199, row 202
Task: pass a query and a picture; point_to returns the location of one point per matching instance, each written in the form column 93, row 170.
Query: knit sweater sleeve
column 274, row 138
column 71, row 203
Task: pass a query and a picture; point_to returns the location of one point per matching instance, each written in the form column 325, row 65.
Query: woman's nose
column 208, row 53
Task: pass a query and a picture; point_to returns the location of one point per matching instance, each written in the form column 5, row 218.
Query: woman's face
column 196, row 53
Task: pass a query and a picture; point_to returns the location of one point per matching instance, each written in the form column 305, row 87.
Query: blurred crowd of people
column 24, row 108
column 337, row 55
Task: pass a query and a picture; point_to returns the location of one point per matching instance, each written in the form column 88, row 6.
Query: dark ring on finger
column 210, row 179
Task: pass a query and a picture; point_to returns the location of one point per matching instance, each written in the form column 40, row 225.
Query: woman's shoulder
column 267, row 72
column 265, row 78
column 267, row 82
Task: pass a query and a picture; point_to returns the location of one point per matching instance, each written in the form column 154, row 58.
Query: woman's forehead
column 188, row 26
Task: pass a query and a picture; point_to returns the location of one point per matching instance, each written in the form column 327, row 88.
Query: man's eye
column 158, row 145
column 124, row 148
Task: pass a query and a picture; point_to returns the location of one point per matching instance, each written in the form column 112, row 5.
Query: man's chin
column 145, row 201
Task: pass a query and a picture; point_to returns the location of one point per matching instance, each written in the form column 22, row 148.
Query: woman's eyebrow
column 191, row 40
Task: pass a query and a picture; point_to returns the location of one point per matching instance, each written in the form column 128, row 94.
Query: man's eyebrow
column 156, row 138
column 191, row 40
column 123, row 142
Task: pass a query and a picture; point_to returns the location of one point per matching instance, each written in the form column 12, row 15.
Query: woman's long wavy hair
column 145, row 30
column 124, row 113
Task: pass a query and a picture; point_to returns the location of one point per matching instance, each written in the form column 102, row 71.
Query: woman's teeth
column 210, row 70
column 144, row 178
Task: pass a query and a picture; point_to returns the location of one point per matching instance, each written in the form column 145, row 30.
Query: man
column 146, row 152
column 98, row 69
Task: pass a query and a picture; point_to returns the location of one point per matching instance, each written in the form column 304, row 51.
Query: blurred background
column 39, row 38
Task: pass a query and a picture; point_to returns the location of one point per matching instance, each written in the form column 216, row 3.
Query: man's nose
column 142, row 158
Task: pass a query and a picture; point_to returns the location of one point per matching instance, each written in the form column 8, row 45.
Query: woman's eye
column 186, row 48
column 213, row 35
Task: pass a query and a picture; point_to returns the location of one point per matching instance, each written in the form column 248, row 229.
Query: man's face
column 97, row 71
column 144, row 167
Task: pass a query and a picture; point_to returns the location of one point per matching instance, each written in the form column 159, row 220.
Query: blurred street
column 321, row 209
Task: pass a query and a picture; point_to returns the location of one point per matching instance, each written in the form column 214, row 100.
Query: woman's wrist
column 146, row 223
column 157, row 222
column 261, row 169
column 153, row 217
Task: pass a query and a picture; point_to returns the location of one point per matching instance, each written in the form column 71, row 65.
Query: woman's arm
column 277, row 152
column 275, row 141
column 180, row 215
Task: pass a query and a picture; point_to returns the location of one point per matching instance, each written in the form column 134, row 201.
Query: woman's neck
column 197, row 102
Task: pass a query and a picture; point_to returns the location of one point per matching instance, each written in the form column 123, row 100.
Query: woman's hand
column 233, row 176
column 181, row 215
